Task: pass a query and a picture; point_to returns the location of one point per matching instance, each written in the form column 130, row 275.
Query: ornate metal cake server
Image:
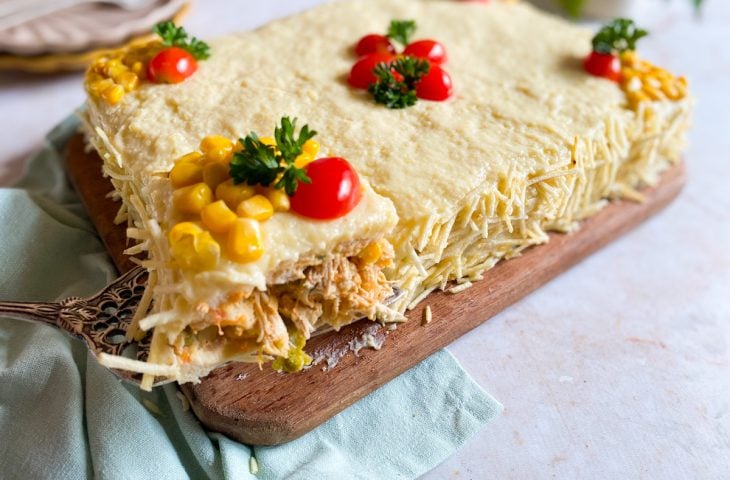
column 100, row 321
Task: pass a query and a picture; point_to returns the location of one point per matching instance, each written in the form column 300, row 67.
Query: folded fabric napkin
column 64, row 416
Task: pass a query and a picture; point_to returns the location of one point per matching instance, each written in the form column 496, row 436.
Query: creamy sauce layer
column 521, row 97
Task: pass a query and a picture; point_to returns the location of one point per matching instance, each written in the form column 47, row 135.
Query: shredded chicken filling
column 335, row 291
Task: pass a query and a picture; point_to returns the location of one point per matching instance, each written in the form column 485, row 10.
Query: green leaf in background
column 574, row 8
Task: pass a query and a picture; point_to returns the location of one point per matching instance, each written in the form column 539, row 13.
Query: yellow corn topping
column 217, row 217
column 192, row 199
column 216, row 148
column 193, row 248
column 198, row 252
column 184, row 174
column 371, row 253
column 643, row 81
column 279, row 199
column 215, row 173
column 233, row 194
column 257, row 207
column 311, row 148
column 190, row 157
column 112, row 75
column 203, row 188
column 113, row 94
column 244, row 243
column 181, row 230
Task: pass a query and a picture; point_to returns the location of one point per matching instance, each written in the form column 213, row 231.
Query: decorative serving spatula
column 100, row 321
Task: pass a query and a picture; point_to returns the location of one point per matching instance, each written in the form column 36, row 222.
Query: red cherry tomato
column 431, row 50
column 374, row 43
column 603, row 65
column 335, row 190
column 361, row 74
column 436, row 85
column 171, row 65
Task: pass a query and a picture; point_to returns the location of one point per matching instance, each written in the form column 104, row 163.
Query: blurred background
column 44, row 44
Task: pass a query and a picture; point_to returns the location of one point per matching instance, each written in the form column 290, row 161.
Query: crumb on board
column 426, row 316
column 460, row 288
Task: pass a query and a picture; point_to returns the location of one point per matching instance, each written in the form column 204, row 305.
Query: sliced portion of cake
column 240, row 270
column 528, row 143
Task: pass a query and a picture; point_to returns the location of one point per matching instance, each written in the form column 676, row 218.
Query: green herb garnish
column 574, row 8
column 261, row 164
column 618, row 36
column 401, row 31
column 398, row 92
column 174, row 36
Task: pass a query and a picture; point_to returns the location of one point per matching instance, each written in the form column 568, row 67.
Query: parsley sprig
column 261, row 164
column 174, row 36
column 618, row 36
column 398, row 92
column 401, row 31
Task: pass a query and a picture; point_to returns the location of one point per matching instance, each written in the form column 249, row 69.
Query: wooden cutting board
column 263, row 407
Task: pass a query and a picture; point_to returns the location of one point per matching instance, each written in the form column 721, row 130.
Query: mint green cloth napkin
column 62, row 416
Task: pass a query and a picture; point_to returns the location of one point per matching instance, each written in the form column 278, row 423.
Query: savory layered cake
column 468, row 148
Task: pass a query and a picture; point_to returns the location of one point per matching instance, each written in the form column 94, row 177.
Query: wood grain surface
column 263, row 407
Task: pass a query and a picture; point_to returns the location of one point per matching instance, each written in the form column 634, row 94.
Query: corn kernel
column 184, row 174
column 92, row 77
column 681, row 88
column 244, row 242
column 99, row 86
column 138, row 68
column 190, row 157
column 279, row 199
column 113, row 94
column 629, row 58
column 182, row 229
column 98, row 66
column 635, row 98
column 670, row 91
column 198, row 252
column 303, row 160
column 217, row 217
column 652, row 92
column 233, row 194
column 216, row 148
column 371, row 253
column 128, row 81
column 311, row 147
column 113, row 68
column 192, row 199
column 257, row 207
column 215, row 173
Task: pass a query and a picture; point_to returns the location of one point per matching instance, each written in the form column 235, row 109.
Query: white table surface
column 620, row 368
